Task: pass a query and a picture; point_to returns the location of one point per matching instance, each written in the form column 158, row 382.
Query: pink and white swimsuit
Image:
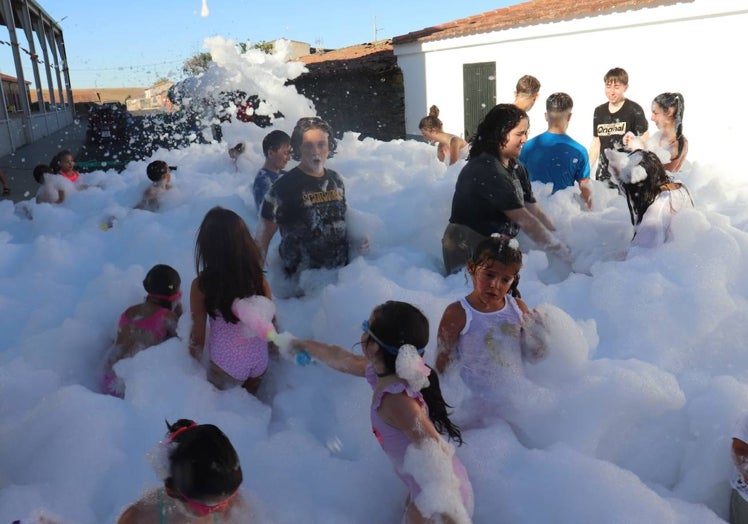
column 236, row 350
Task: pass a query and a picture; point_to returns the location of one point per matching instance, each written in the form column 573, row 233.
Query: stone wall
column 362, row 94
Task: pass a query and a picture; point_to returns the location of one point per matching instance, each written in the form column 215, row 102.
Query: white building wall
column 693, row 48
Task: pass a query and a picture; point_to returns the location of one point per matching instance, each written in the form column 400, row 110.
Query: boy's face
column 278, row 158
column 615, row 91
column 314, row 151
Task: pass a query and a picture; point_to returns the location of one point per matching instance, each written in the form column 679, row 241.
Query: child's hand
column 364, row 246
column 534, row 335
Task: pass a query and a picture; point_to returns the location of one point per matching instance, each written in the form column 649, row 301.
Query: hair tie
column 168, row 298
column 410, row 367
column 176, row 432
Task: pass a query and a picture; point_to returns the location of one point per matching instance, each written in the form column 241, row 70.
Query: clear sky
column 132, row 43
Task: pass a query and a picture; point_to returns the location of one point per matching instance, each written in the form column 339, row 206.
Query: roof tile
column 526, row 14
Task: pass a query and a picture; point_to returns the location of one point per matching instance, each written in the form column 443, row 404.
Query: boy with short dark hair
column 614, row 119
column 159, row 172
column 276, row 146
column 526, row 93
column 553, row 156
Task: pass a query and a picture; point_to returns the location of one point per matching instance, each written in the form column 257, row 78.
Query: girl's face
column 515, row 139
column 428, row 134
column 661, row 117
column 314, row 150
column 67, row 163
column 491, row 282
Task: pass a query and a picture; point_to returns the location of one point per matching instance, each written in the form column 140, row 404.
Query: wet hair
column 431, row 121
column 162, row 280
column 640, row 195
column 399, row 323
column 494, row 128
column 41, row 170
column 227, row 261
column 55, row 162
column 274, row 140
column 497, row 249
column 674, row 100
column 156, row 170
column 202, row 461
column 617, row 74
column 304, row 125
column 528, row 86
column 559, row 103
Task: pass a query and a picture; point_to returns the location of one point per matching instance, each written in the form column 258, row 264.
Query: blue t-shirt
column 556, row 158
column 263, row 182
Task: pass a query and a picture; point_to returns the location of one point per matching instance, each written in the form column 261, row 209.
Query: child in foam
column 653, row 197
column 52, row 186
column 449, row 148
column 201, row 477
column 408, row 412
column 159, row 173
column 146, row 324
column 62, row 163
column 482, row 331
column 229, row 267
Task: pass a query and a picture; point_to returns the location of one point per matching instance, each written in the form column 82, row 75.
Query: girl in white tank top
column 482, row 330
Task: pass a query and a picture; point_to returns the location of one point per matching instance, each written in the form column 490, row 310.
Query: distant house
column 12, row 93
column 466, row 66
column 154, row 97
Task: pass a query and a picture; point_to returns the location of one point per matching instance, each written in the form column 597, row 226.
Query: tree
column 265, row 47
column 197, row 64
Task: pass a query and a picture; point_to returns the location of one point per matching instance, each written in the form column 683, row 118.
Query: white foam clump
column 411, row 368
column 553, row 344
column 430, row 462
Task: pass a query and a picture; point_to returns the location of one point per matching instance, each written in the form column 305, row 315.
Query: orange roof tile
column 525, row 14
column 349, row 53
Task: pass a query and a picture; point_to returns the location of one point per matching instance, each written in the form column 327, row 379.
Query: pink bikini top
column 72, row 176
column 154, row 324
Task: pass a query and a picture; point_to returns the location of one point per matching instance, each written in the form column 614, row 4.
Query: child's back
column 144, row 325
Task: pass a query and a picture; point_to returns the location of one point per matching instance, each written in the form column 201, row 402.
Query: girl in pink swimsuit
column 147, row 324
column 229, row 266
column 408, row 412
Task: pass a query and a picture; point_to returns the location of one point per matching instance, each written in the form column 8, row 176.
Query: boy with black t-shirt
column 307, row 204
column 614, row 119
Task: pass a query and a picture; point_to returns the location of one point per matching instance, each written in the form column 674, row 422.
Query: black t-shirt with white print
column 610, row 128
column 310, row 213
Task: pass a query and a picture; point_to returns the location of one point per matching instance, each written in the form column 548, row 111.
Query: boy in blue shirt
column 276, row 146
column 555, row 157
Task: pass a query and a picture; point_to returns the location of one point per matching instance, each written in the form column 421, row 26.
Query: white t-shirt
column 654, row 229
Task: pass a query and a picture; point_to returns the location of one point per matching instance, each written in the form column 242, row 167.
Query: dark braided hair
column 674, row 100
